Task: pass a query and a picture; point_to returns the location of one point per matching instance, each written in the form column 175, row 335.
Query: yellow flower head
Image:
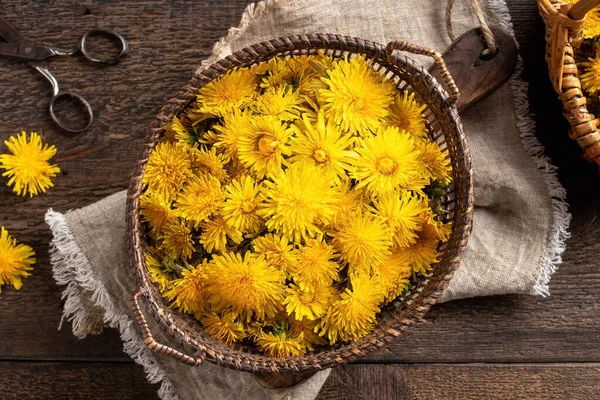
column 167, row 170
column 159, row 273
column 281, row 103
column 235, row 125
column 241, row 203
column 392, row 275
column 263, row 146
column 215, row 233
column 354, row 315
column 280, row 345
column 364, row 241
column 177, row 240
column 298, row 201
column 304, row 330
column 156, row 211
column 277, row 251
column 188, row 293
column 357, row 97
column 435, row 162
column 247, row 287
column 322, row 145
column 315, row 267
column 407, row 114
column 200, row 198
column 431, row 228
column 231, row 91
column 387, row 162
column 176, row 132
column 27, row 166
column 16, row 261
column 311, row 304
column 278, row 74
column 224, row 327
column 422, row 254
column 590, row 79
column 401, row 213
column 351, row 201
column 209, row 162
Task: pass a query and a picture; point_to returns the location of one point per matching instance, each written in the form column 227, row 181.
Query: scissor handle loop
column 108, row 33
column 78, row 98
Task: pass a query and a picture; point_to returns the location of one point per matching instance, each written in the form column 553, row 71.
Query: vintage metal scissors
column 13, row 44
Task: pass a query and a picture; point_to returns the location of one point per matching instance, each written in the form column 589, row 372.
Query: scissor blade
column 13, row 44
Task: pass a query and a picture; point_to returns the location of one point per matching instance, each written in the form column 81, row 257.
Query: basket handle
column 152, row 344
column 582, row 7
column 403, row 45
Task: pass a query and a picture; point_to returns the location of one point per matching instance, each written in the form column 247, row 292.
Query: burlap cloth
column 520, row 217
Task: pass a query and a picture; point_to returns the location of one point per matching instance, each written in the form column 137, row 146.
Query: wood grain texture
column 168, row 40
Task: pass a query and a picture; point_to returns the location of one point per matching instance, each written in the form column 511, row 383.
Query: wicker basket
column 564, row 34
column 446, row 129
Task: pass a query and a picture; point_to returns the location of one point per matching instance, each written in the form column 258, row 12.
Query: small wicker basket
column 445, row 128
column 564, row 35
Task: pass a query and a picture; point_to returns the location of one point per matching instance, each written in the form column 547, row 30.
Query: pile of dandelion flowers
column 16, row 261
column 27, row 166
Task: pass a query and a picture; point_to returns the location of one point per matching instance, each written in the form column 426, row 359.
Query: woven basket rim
column 180, row 327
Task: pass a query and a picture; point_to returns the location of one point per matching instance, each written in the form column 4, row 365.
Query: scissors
column 13, row 44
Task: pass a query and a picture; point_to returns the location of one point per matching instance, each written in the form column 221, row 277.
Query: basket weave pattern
column 394, row 319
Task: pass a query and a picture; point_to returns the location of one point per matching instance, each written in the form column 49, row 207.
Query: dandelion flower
column 364, row 241
column 159, row 273
column 351, row 201
column 177, row 240
column 223, row 327
column 16, row 261
column 200, row 198
column 176, row 132
column 247, row 287
column 277, row 251
column 354, row 315
column 188, row 293
column 241, row 203
column 393, row 274
column 315, row 267
column 310, row 304
column 235, row 124
column 281, row 103
column 27, row 166
column 322, row 145
column 156, row 211
column 422, row 255
column 590, row 79
column 280, row 345
column 278, row 74
column 167, row 170
column 231, row 91
column 357, row 97
column 304, row 330
column 434, row 229
column 215, row 232
column 298, row 201
column 386, row 162
column 208, row 162
column 436, row 163
column 402, row 215
column 407, row 114
column 262, row 147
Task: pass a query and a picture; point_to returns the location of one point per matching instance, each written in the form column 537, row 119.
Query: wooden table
column 497, row 347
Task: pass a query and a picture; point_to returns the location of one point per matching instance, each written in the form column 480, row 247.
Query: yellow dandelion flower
column 436, row 162
column 304, row 330
column 260, row 69
column 402, row 215
column 387, row 162
column 176, row 132
column 27, row 166
column 422, row 255
column 281, row 103
column 236, row 170
column 315, row 267
column 241, row 203
column 16, row 261
column 262, row 147
column 351, row 201
column 298, row 201
column 279, row 345
column 277, row 251
column 322, row 145
column 177, row 240
column 392, row 275
column 431, row 228
column 208, row 162
column 200, row 198
column 167, row 170
column 235, row 125
column 357, row 97
column 247, row 287
column 590, row 78
column 215, row 232
column 188, row 293
column 407, row 114
column 224, row 327
column 156, row 211
column 159, row 273
column 278, row 74
column 354, row 315
column 313, row 304
column 364, row 241
column 234, row 90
